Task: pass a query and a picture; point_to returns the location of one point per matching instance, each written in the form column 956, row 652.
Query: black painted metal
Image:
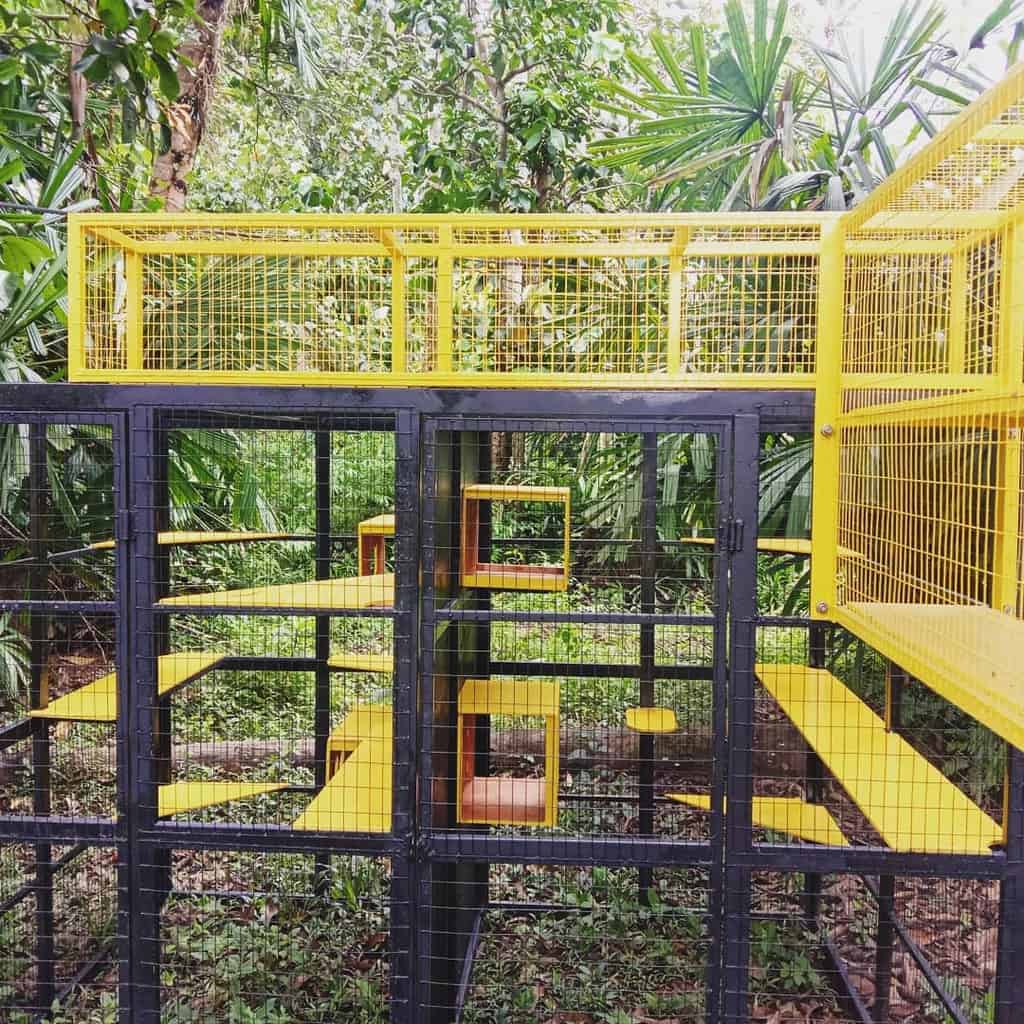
column 646, row 676
column 1009, row 977
column 322, row 674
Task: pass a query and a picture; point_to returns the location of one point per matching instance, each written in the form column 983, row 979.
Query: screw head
column 827, row 430
column 821, row 607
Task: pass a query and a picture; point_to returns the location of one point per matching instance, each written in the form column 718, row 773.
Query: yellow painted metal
column 827, row 407
column 187, row 537
column 498, row 800
column 97, row 701
column 353, row 662
column 786, row 814
column 651, row 719
column 357, row 795
column 376, row 526
column 350, row 592
column 968, row 654
column 910, row 803
column 780, row 546
column 184, row 797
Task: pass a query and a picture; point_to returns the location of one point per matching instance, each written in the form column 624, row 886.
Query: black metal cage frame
column 439, row 874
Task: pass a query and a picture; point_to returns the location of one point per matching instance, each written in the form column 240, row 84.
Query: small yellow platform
column 791, row 815
column 316, row 595
column 97, row 701
column 968, row 654
column 370, row 534
column 172, row 538
column 357, row 796
column 910, row 803
column 781, row 546
column 183, row 797
column 351, row 662
column 651, row 719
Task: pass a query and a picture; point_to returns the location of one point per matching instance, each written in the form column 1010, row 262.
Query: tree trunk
column 197, row 72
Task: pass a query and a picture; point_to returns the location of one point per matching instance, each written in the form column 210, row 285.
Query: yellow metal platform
column 651, row 719
column 910, row 803
column 97, row 701
column 780, row 546
column 970, row 655
column 787, row 814
column 316, row 595
column 183, row 797
column 370, row 534
column 351, row 662
column 357, row 796
column 187, row 537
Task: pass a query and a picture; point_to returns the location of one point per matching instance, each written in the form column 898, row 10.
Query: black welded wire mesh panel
column 571, row 693
column 273, row 645
column 246, row 936
column 56, row 510
column 57, row 942
column 58, row 754
column 576, row 944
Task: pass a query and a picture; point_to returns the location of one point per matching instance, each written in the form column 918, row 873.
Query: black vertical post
column 39, row 697
column 648, row 599
column 477, row 635
column 147, row 749
column 740, row 785
column 885, row 939
column 322, row 683
column 1009, row 976
column 404, row 874
column 814, row 768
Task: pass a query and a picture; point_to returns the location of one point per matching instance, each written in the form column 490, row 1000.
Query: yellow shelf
column 97, row 701
column 651, row 719
column 781, row 546
column 351, row 662
column 968, row 654
column 317, row 595
column 528, row 697
column 357, row 796
column 515, row 492
column 910, row 803
column 183, row 797
column 791, row 815
column 370, row 534
column 182, row 537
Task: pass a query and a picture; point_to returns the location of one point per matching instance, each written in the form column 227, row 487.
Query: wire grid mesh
column 57, row 932
column 273, row 651
column 586, row 947
column 331, row 297
column 257, row 935
column 576, row 587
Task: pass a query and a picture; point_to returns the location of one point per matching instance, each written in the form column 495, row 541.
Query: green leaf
column 22, row 253
column 169, row 84
column 114, row 14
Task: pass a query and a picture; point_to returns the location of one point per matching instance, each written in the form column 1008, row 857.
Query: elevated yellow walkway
column 97, row 701
column 970, row 655
column 910, row 803
column 357, row 796
column 350, row 592
column 786, row 814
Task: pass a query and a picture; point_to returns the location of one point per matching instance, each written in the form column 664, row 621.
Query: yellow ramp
column 176, row 537
column 316, row 595
column 182, row 797
column 786, row 814
column 97, row 702
column 911, row 804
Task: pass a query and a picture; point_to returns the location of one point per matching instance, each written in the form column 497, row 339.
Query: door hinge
column 124, row 526
column 733, row 540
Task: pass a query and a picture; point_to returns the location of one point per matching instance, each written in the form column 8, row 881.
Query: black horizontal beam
column 268, row 838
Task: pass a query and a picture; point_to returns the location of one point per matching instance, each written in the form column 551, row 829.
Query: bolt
column 827, row 430
column 821, row 607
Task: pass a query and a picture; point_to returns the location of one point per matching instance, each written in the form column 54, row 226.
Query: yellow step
column 182, row 537
column 97, row 702
column 352, row 662
column 651, row 719
column 182, row 797
column 910, row 803
column 786, row 814
column 349, row 592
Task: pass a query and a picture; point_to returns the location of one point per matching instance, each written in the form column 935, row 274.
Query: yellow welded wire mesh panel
column 105, row 283
column 982, row 284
